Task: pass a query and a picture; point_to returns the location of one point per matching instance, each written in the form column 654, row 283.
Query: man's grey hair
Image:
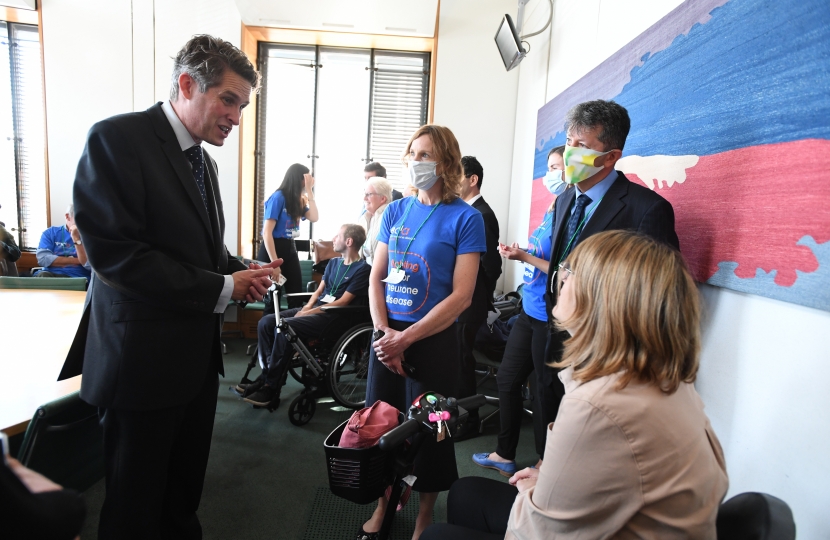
column 608, row 115
column 381, row 185
column 206, row 58
column 71, row 211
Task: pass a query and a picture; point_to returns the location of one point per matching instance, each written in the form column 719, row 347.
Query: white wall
column 474, row 96
column 764, row 363
column 124, row 65
column 88, row 78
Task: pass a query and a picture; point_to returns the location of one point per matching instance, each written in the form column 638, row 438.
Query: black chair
column 755, row 516
column 65, row 442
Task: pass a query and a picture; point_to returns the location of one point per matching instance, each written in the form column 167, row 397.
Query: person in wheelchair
column 345, row 281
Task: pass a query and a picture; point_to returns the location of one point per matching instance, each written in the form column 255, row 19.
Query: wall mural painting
column 730, row 111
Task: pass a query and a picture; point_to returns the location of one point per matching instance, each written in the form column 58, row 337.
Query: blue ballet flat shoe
column 505, row 469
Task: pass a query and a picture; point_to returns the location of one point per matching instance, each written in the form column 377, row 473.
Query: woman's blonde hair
column 447, row 154
column 636, row 311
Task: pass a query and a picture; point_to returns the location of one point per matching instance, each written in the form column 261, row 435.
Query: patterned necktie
column 194, row 155
column 569, row 241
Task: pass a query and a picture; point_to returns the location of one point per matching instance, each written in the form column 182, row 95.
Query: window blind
column 400, row 92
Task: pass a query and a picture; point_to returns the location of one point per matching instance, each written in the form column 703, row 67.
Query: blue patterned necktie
column 573, row 223
column 194, row 155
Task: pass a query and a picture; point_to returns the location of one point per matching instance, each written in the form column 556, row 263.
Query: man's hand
column 392, row 344
column 524, row 479
column 251, row 285
column 273, row 265
column 36, row 483
column 74, row 233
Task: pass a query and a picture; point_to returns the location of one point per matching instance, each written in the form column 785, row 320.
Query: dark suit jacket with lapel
column 626, row 205
column 148, row 329
column 489, row 268
column 490, row 259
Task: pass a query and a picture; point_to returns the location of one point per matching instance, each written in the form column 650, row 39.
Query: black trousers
column 524, row 354
column 435, row 360
column 467, row 331
column 290, row 268
column 275, row 349
column 477, row 509
column 155, row 466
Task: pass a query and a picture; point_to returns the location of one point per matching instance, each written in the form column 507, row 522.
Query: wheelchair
column 335, row 363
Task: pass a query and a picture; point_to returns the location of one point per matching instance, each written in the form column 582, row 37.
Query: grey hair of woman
column 381, row 186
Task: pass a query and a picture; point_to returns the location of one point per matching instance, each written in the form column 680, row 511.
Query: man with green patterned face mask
column 604, row 199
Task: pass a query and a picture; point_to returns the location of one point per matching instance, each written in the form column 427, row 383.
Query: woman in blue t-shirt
column 525, row 349
column 424, row 272
column 291, row 202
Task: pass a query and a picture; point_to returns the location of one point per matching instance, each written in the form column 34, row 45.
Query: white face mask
column 554, row 182
column 422, row 174
column 579, row 163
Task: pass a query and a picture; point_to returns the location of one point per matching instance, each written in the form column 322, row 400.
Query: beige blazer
column 631, row 463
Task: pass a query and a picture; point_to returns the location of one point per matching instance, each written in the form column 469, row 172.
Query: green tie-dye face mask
column 579, row 163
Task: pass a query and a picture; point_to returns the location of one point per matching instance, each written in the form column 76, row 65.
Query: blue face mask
column 554, row 182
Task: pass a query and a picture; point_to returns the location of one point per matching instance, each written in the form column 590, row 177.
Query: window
column 22, row 145
column 334, row 110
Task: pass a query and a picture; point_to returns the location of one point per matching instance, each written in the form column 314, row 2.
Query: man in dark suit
column 489, row 270
column 376, row 169
column 604, row 200
column 148, row 207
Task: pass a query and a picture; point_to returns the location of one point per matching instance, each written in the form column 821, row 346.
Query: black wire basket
column 359, row 475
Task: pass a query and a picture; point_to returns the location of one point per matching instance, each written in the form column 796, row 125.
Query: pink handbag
column 367, row 425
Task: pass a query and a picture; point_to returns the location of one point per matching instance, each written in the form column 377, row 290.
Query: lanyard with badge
column 330, row 297
column 588, row 213
column 397, row 274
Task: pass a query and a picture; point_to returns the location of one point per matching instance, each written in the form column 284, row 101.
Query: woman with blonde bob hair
column 631, row 454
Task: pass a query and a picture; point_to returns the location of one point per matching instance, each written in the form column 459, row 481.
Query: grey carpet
column 265, row 474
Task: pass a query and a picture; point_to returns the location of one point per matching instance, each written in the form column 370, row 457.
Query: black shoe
column 467, row 430
column 246, row 390
column 262, row 397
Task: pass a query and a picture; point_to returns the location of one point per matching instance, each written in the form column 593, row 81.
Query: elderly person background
column 631, row 454
column 376, row 197
column 425, row 268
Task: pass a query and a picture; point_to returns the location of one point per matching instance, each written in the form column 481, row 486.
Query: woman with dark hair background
column 291, row 202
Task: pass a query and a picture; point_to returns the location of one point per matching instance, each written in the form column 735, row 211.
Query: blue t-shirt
column 57, row 242
column 533, row 292
column 340, row 278
column 452, row 229
column 275, row 209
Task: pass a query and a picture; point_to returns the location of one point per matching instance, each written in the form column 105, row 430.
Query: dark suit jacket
column 148, row 329
column 626, row 206
column 489, row 267
column 490, row 259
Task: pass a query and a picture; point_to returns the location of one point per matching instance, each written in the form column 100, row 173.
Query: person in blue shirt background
column 525, row 349
column 61, row 252
column 422, row 278
column 291, row 202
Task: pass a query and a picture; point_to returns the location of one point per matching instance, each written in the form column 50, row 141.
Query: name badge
column 328, row 299
column 395, row 276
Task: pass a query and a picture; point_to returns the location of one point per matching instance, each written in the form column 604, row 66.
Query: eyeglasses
column 370, row 194
column 562, row 274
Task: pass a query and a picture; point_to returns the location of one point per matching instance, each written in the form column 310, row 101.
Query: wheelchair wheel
column 296, row 368
column 302, row 409
column 349, row 366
